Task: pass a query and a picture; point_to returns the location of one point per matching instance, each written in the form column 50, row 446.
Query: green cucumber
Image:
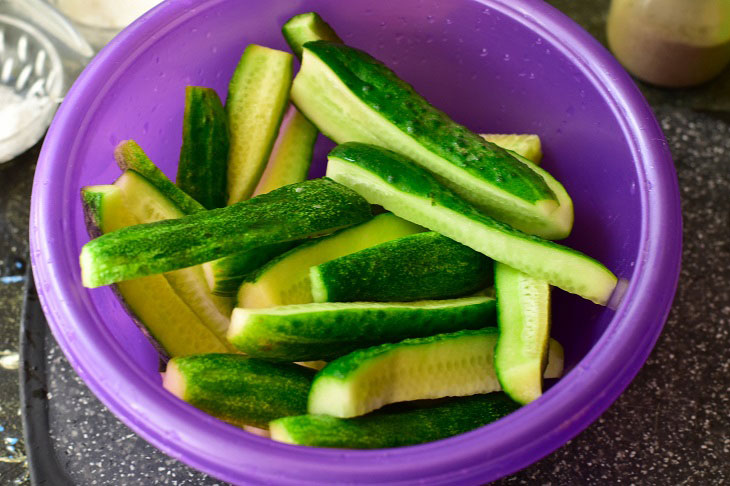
column 523, row 320
column 238, row 389
column 285, row 280
column 257, row 97
column 414, row 267
column 149, row 205
column 307, row 27
column 309, row 332
column 350, row 96
column 392, row 181
column 289, row 213
column 526, row 145
column 172, row 327
column 225, row 275
column 201, row 172
column 291, row 155
column 454, row 364
column 130, row 156
column 394, row 427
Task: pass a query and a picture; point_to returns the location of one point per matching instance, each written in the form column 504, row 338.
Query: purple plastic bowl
column 495, row 65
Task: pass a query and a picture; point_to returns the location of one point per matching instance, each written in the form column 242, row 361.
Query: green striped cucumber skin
column 130, row 156
column 396, row 427
column 309, row 332
column 289, row 213
column 523, row 320
column 228, row 273
column 202, row 169
column 258, row 94
column 165, row 319
column 285, row 280
column 415, row 267
column 148, row 205
column 392, row 181
column 381, row 109
column 238, row 389
column 523, row 144
column 307, row 27
column 292, row 153
column 452, row 364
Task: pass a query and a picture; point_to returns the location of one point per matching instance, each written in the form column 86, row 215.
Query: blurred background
column 671, row 426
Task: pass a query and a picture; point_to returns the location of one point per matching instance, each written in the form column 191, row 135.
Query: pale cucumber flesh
column 524, row 329
column 292, row 153
column 526, row 145
column 307, row 27
column 152, row 303
column 285, row 280
column 257, row 97
column 455, row 364
column 148, row 205
column 447, row 214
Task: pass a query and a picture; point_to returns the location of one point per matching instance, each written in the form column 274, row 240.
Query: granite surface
column 671, row 426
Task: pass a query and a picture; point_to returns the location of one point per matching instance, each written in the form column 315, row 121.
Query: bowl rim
column 487, row 453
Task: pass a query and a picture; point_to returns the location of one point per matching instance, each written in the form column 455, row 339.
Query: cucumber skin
column 307, row 27
column 381, row 90
column 202, row 170
column 243, row 390
column 291, row 155
column 286, row 214
column 323, row 335
column 405, row 176
column 395, row 427
column 415, row 267
column 130, row 156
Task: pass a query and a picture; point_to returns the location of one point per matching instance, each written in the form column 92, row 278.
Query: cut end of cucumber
column 279, row 432
column 336, row 398
column 173, row 380
column 307, row 27
column 89, row 270
column 522, row 383
column 526, row 145
column 556, row 360
column 319, row 289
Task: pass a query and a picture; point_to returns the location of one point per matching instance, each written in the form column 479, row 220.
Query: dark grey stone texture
column 671, row 426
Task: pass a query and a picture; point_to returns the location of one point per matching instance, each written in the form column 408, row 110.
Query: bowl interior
column 486, row 70
column 478, row 61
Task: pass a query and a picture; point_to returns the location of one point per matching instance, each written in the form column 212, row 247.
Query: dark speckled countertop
column 671, row 426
